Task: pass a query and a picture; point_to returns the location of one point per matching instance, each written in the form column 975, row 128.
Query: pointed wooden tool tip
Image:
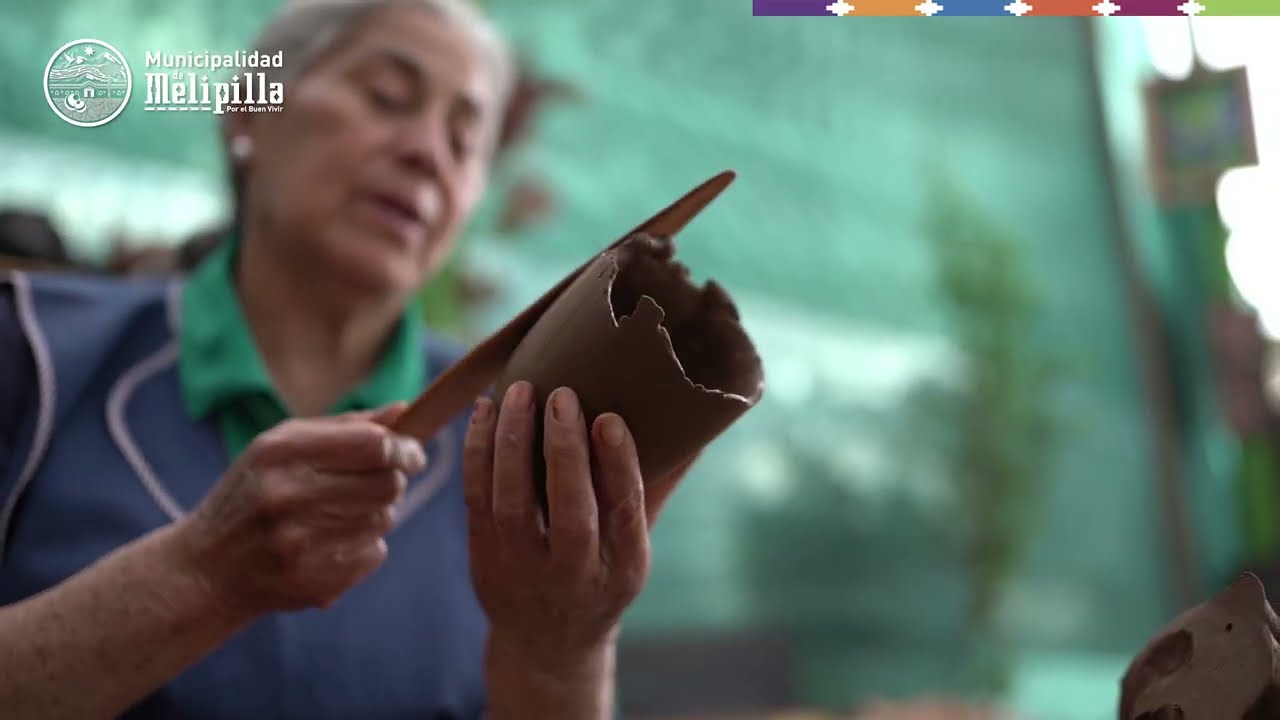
column 716, row 185
column 672, row 219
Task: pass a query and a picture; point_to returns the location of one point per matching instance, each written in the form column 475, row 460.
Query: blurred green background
column 955, row 480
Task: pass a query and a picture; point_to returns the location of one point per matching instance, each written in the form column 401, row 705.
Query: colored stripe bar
column 1223, row 8
column 971, row 8
column 1148, row 8
column 790, row 8
column 847, row 8
column 1064, row 8
column 1018, row 8
column 890, row 8
column 974, row 8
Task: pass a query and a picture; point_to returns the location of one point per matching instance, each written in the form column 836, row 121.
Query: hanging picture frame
column 1198, row 128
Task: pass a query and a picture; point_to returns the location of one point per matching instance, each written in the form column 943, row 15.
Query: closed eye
column 384, row 99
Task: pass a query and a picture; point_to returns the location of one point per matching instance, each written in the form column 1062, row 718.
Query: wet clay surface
column 457, row 387
column 629, row 333
column 1217, row 661
column 705, row 330
column 633, row 335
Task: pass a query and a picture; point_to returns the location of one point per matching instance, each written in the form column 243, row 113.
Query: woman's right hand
column 300, row 517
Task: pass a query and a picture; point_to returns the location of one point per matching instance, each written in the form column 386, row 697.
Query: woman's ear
column 238, row 137
column 241, row 148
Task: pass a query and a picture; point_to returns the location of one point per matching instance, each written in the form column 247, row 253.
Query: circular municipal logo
column 87, row 82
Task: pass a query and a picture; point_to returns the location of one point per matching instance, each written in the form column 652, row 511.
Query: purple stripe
column 1148, row 8
column 794, row 8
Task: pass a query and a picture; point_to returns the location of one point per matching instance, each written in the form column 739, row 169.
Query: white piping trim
column 437, row 475
column 24, row 303
column 117, row 425
column 173, row 305
column 118, row 403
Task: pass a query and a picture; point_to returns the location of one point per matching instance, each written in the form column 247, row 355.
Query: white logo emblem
column 87, row 82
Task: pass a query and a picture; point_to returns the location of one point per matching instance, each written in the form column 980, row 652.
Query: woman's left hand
column 554, row 595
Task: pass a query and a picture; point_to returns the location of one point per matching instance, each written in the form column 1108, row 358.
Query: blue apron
column 107, row 453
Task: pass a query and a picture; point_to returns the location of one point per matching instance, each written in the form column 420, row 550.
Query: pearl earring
column 241, row 147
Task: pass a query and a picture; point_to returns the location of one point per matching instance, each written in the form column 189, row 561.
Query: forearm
column 107, row 637
column 523, row 689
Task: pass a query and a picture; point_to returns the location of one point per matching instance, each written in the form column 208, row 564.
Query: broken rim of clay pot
column 457, row 387
column 631, row 335
column 700, row 325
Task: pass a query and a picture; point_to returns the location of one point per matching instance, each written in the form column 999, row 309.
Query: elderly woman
column 202, row 511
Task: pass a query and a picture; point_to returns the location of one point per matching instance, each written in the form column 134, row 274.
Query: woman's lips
column 401, row 218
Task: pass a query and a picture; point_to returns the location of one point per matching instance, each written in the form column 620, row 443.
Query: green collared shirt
column 222, row 375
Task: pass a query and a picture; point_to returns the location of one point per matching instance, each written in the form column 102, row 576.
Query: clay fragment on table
column 1218, row 661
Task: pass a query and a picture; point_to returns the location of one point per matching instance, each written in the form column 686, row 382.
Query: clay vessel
column 1217, row 661
column 630, row 334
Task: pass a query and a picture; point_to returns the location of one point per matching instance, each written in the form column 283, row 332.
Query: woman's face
column 379, row 155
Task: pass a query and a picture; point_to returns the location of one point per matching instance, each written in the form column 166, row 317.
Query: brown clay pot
column 632, row 335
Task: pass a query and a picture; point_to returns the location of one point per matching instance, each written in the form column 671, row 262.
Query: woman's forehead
column 424, row 45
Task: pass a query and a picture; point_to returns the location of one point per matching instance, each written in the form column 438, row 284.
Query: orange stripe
column 885, row 8
column 1064, row 8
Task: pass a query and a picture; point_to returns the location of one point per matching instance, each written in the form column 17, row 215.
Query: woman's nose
column 424, row 145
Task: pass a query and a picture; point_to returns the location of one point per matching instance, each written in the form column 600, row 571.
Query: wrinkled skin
column 301, row 516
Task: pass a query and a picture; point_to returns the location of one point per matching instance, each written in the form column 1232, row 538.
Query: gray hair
column 303, row 30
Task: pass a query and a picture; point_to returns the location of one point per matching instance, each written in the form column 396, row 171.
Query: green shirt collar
column 222, row 375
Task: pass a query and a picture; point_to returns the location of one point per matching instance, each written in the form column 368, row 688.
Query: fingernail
column 564, row 405
column 410, row 455
column 388, row 450
column 519, row 395
column 484, row 406
column 612, row 430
